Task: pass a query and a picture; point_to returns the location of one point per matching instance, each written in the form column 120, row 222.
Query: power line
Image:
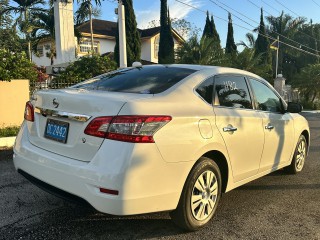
column 264, row 35
column 259, row 25
column 287, row 8
column 270, row 6
column 315, row 3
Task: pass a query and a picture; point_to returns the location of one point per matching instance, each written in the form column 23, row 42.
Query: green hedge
column 9, row 131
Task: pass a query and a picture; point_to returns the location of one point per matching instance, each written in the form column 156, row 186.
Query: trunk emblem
column 55, row 102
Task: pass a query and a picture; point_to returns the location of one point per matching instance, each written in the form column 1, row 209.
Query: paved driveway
column 277, row 206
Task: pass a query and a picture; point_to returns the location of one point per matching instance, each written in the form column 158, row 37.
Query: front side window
column 267, row 100
column 232, row 91
column 144, row 80
column 205, row 90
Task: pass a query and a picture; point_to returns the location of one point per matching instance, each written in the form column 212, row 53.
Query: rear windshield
column 144, row 80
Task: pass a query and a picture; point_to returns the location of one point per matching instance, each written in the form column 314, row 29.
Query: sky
column 148, row 10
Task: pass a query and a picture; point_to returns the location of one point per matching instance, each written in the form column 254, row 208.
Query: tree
column 195, row 52
column 249, row 60
column 5, row 19
column 86, row 11
column 44, row 30
column 207, row 30
column 308, row 82
column 231, row 47
column 214, row 32
column 184, row 28
column 16, row 66
column 285, row 26
column 25, row 10
column 166, row 43
column 132, row 36
column 261, row 45
column 212, row 35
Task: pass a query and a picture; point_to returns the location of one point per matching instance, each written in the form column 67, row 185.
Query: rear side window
column 267, row 100
column 144, row 80
column 232, row 91
column 205, row 90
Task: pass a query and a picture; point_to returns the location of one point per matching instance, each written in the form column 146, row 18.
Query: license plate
column 56, row 130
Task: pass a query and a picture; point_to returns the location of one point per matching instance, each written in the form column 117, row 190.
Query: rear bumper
column 146, row 183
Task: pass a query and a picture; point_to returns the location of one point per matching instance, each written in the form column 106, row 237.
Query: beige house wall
column 13, row 98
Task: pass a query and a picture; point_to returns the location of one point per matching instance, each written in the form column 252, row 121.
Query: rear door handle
column 269, row 127
column 230, row 128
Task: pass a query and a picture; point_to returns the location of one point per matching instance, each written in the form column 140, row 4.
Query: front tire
column 200, row 196
column 299, row 156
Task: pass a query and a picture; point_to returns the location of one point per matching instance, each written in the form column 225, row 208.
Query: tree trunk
column 29, row 50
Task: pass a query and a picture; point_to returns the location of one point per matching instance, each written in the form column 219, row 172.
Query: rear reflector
column 29, row 112
column 109, row 191
column 136, row 129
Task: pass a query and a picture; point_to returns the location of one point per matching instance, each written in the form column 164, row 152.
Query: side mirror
column 294, row 107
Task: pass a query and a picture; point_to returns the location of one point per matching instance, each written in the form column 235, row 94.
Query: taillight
column 98, row 127
column 136, row 129
column 29, row 112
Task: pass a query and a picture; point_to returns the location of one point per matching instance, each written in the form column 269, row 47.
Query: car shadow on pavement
column 75, row 221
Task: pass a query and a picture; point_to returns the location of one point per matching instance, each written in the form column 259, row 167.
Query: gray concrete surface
column 277, row 206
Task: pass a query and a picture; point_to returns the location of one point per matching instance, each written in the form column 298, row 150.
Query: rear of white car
column 100, row 146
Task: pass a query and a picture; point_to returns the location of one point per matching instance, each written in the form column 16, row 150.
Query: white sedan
column 159, row 138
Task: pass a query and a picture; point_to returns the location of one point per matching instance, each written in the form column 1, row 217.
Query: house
column 105, row 39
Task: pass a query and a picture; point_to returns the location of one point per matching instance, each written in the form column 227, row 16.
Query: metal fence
column 53, row 83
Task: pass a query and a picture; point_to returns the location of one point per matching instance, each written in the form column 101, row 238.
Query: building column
column 64, row 31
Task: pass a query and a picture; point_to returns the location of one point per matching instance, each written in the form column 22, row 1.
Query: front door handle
column 269, row 127
column 230, row 128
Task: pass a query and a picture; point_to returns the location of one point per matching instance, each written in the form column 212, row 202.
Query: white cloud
column 177, row 10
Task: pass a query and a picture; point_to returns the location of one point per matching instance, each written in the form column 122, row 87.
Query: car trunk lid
column 61, row 117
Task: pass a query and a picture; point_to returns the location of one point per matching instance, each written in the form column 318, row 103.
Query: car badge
column 55, row 102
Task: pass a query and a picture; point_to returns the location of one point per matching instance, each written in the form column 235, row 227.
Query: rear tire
column 299, row 157
column 200, row 196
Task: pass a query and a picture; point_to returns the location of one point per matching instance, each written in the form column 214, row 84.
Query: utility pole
column 122, row 35
column 277, row 59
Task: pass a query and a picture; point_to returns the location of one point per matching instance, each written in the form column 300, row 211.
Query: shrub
column 85, row 68
column 9, row 131
column 16, row 66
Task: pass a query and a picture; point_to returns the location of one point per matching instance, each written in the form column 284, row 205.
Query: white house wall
column 146, row 49
column 107, row 45
column 43, row 60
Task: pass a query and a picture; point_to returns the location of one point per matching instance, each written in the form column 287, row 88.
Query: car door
column 239, row 124
column 278, row 126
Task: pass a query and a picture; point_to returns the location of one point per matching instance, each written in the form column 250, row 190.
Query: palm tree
column 44, row 30
column 86, row 10
column 203, row 52
column 284, row 26
column 25, row 10
column 250, row 41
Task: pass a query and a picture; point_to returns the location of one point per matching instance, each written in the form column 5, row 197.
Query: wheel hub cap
column 204, row 195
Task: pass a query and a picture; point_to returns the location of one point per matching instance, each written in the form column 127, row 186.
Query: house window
column 156, row 46
column 85, row 46
column 40, row 51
